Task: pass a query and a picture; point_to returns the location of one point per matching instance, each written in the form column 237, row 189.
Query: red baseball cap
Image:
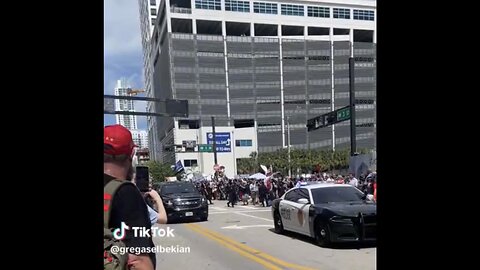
column 119, row 140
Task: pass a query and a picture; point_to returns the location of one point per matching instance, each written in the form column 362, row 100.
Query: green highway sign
column 343, row 114
column 205, row 148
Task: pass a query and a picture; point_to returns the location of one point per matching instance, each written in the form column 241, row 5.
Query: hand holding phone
column 142, row 178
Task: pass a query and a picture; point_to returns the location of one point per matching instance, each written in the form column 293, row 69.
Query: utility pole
column 214, row 142
column 353, row 137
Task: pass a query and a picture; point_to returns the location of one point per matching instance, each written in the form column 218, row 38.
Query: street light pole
column 353, row 134
column 234, row 157
column 289, row 160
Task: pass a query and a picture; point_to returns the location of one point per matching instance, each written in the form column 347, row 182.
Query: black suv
column 183, row 201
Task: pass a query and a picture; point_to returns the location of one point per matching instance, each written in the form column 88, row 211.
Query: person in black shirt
column 281, row 189
column 209, row 192
column 232, row 193
column 290, row 184
column 128, row 204
column 262, row 193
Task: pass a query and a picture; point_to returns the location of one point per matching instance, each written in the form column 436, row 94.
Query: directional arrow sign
column 236, row 227
column 222, row 141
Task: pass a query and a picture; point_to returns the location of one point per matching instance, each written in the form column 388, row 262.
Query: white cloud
column 121, row 27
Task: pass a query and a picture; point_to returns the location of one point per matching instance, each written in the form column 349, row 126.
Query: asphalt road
column 243, row 238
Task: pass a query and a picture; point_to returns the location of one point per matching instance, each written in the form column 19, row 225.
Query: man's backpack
column 112, row 261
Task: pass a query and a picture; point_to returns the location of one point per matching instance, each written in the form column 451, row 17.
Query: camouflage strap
column 108, row 193
column 107, row 238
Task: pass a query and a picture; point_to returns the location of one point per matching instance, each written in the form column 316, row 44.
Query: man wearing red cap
column 127, row 204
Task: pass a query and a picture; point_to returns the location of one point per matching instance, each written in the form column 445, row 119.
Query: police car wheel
column 277, row 220
column 322, row 234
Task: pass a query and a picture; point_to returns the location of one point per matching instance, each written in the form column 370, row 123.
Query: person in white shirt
column 353, row 181
column 254, row 192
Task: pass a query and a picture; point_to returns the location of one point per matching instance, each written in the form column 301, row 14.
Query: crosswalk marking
column 253, row 216
column 246, row 211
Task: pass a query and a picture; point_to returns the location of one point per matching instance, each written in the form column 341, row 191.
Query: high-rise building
column 140, row 138
column 259, row 67
column 148, row 16
column 129, row 121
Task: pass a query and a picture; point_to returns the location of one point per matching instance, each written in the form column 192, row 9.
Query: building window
column 322, row 12
column 208, row 4
column 242, row 143
column 265, row 8
column 189, row 145
column 153, row 12
column 341, row 13
column 188, row 124
column 153, row 2
column 364, row 15
column 190, row 163
column 153, row 21
column 293, row 10
column 239, row 6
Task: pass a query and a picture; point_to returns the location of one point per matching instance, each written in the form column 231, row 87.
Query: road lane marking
column 246, row 226
column 246, row 211
column 247, row 215
column 251, row 250
column 265, row 263
column 247, row 207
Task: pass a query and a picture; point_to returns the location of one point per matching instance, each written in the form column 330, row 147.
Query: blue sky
column 122, row 50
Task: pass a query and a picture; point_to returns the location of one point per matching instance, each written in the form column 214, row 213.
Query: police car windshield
column 178, row 188
column 336, row 194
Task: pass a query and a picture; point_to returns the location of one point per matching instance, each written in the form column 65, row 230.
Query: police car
column 327, row 212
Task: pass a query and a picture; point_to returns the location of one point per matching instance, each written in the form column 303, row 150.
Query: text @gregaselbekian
column 144, row 250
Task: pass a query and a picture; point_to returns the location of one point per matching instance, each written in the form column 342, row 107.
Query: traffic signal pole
column 342, row 114
column 214, row 142
column 353, row 146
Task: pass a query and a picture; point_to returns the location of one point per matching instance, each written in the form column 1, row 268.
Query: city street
column 243, row 238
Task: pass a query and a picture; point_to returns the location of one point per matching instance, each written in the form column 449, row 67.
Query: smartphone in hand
column 142, row 178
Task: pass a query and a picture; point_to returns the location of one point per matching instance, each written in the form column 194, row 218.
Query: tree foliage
column 159, row 171
column 302, row 160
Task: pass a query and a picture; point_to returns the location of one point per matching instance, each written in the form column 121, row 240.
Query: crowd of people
column 124, row 203
column 263, row 192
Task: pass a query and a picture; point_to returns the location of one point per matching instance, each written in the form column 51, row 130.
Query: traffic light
column 176, row 107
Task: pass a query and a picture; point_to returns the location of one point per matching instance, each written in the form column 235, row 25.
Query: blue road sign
column 222, row 139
